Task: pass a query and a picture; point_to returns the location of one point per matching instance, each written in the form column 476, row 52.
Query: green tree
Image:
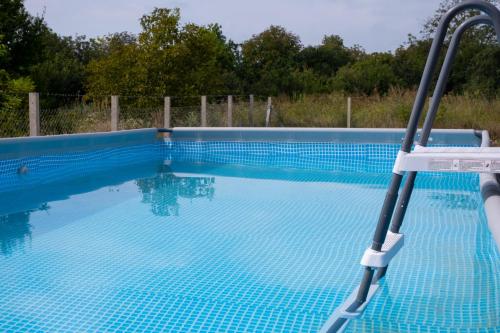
column 13, row 93
column 22, row 35
column 484, row 73
column 269, row 60
column 474, row 68
column 118, row 70
column 432, row 22
column 373, row 74
column 165, row 58
column 327, row 58
column 409, row 61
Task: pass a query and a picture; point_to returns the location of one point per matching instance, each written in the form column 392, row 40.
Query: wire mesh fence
column 310, row 111
column 67, row 114
column 217, row 109
column 14, row 116
column 73, row 114
column 140, row 112
column 237, row 111
column 185, row 111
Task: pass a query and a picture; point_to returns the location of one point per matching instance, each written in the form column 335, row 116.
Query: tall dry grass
column 327, row 110
column 392, row 110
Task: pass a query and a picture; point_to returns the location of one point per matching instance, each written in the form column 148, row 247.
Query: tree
column 409, row 61
column 13, row 94
column 373, row 74
column 269, row 60
column 165, row 58
column 484, row 73
column 432, row 22
column 327, row 58
column 22, row 35
column 118, row 71
column 474, row 65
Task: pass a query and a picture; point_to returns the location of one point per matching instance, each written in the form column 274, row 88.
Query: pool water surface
column 203, row 244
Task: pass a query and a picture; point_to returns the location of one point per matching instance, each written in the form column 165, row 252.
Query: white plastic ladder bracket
column 451, row 159
column 341, row 311
column 378, row 259
column 397, row 164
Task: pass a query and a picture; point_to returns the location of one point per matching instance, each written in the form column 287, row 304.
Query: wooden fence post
column 115, row 112
column 348, row 112
column 166, row 112
column 230, row 111
column 34, row 113
column 203, row 111
column 250, row 112
column 268, row 111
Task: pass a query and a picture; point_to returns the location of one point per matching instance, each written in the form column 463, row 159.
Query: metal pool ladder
column 386, row 243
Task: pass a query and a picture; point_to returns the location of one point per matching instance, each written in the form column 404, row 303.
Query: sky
column 377, row 25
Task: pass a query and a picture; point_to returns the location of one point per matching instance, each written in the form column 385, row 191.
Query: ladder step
column 378, row 259
column 452, row 159
column 341, row 311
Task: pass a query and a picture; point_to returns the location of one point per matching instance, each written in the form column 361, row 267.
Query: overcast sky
column 377, row 25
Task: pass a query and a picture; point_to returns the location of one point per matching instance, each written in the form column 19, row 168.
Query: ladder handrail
column 402, row 204
column 391, row 197
column 445, row 73
column 392, row 194
column 433, row 57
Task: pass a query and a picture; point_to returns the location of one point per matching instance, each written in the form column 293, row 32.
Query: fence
column 51, row 114
column 64, row 114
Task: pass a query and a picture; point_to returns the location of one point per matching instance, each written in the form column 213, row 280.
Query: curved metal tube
column 433, row 56
column 433, row 109
column 445, row 73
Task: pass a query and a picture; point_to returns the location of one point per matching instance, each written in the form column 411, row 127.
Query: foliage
column 269, row 60
column 171, row 58
column 373, row 73
column 327, row 58
column 165, row 58
column 13, row 93
column 22, row 34
column 432, row 22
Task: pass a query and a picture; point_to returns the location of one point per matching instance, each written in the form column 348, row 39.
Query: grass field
column 326, row 110
column 393, row 110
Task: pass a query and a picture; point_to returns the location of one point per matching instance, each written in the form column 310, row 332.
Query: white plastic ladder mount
column 450, row 159
column 378, row 259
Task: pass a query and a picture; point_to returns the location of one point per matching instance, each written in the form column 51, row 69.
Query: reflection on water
column 15, row 229
column 163, row 190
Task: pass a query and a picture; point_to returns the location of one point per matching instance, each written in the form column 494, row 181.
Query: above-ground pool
column 196, row 234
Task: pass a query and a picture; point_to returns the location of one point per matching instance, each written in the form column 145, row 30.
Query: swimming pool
column 197, row 235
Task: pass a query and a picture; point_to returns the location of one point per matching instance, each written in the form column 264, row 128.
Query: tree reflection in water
column 163, row 190
column 15, row 229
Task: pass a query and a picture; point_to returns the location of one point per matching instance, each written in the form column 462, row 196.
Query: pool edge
column 31, row 146
column 490, row 191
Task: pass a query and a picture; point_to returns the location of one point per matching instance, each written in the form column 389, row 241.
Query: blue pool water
column 233, row 237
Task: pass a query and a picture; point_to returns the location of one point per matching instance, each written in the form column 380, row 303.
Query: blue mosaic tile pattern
column 49, row 168
column 307, row 155
column 218, row 240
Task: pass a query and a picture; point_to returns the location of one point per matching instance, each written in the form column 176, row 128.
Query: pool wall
column 11, row 148
column 56, row 152
column 334, row 135
column 490, row 191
